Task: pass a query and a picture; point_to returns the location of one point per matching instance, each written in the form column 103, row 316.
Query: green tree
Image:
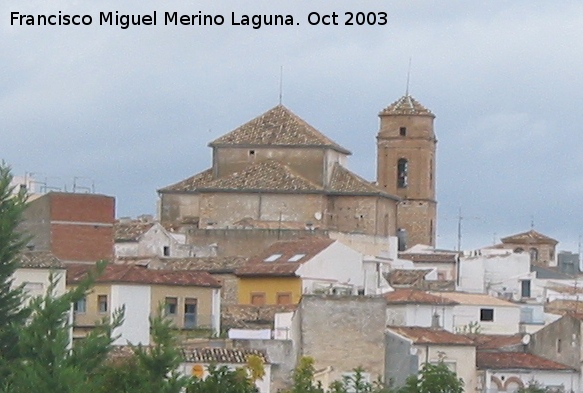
column 12, row 315
column 223, row 380
column 537, row 387
column 46, row 362
column 433, row 378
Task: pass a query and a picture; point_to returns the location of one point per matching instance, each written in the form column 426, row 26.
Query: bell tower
column 406, row 146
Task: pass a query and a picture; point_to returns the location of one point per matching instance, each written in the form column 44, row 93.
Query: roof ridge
column 407, row 105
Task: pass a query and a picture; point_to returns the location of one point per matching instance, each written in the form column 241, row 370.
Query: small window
column 296, row 257
column 559, row 345
column 402, row 173
column 171, row 306
column 284, row 298
column 403, row 131
column 272, row 258
column 190, row 313
column 102, row 303
column 519, row 250
column 487, row 314
column 525, row 288
column 166, row 251
column 80, row 306
column 533, row 255
column 258, row 298
column 33, row 286
column 251, row 153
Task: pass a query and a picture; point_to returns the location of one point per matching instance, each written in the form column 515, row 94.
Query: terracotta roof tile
column 130, row 231
column 429, row 258
column 221, row 355
column 421, row 335
column 346, row 182
column 39, row 260
column 406, row 277
column 474, row 299
column 192, row 183
column 207, row 264
column 413, row 296
column 516, row 361
column 132, row 274
column 496, row 341
column 298, row 251
column 529, row 237
column 277, row 127
column 406, row 105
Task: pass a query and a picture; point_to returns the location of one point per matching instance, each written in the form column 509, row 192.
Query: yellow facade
column 92, row 314
column 271, row 287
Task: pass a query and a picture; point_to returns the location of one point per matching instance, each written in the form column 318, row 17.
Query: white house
column 34, row 271
column 411, row 307
column 145, row 237
column 492, row 315
column 196, row 361
column 427, row 257
column 510, row 371
column 502, row 273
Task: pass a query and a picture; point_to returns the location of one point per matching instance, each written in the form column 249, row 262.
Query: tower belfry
column 406, row 147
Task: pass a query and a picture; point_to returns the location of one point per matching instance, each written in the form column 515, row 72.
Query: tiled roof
column 406, row 277
column 277, row 127
column 413, row 296
column 529, row 237
column 132, row 274
column 39, row 260
column 192, row 183
column 264, row 176
column 406, row 105
column 496, row 341
column 429, row 258
column 345, row 182
column 516, row 361
column 476, row 299
column 207, row 264
column 221, row 355
column 421, row 335
column 299, row 251
column 130, row 231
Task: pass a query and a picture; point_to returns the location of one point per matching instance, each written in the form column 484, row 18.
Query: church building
column 278, row 172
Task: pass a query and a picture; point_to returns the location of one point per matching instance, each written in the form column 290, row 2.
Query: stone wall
column 343, row 332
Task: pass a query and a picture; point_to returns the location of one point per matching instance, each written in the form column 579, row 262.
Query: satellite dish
column 318, row 216
column 525, row 339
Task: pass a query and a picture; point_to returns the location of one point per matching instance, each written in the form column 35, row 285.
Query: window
column 525, row 288
column 402, row 173
column 166, row 251
column 284, row 298
column 171, row 306
column 252, row 153
column 258, row 298
column 533, row 255
column 559, row 345
column 487, row 314
column 190, row 306
column 102, row 303
column 519, row 250
column 33, row 286
column 296, row 257
column 272, row 258
column 403, row 131
column 80, row 306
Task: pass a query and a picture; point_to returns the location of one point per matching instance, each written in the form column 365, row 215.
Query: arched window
column 402, row 173
column 533, row 255
column 519, row 250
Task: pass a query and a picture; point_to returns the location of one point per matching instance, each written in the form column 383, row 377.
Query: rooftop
column 429, row 258
column 421, row 335
column 413, row 296
column 476, row 299
column 529, row 237
column 132, row 274
column 39, row 260
column 221, row 355
column 277, row 127
column 516, row 361
column 406, row 277
column 496, row 341
column 406, row 105
column 130, row 231
column 283, row 258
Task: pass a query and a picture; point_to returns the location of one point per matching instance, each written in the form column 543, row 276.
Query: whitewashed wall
column 136, row 326
column 36, row 281
column 506, row 318
column 570, row 380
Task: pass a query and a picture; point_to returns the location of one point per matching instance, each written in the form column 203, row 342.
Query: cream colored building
column 191, row 299
column 34, row 273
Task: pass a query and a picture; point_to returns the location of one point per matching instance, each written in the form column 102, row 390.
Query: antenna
column 408, row 77
column 531, row 222
column 460, row 218
column 280, row 84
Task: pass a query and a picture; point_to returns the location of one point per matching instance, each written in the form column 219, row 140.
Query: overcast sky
column 134, row 109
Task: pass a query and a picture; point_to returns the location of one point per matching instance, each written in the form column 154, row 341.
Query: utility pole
column 460, row 218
